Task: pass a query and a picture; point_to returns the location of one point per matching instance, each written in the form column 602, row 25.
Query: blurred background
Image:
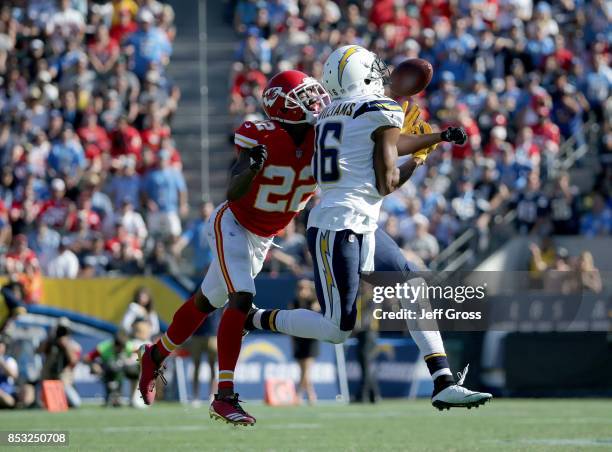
column 116, row 121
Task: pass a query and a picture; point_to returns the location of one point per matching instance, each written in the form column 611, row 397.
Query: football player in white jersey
column 358, row 141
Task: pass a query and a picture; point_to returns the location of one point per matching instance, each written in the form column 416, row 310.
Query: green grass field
column 502, row 425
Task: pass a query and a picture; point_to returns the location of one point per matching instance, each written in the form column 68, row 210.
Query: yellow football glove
column 411, row 116
column 423, row 128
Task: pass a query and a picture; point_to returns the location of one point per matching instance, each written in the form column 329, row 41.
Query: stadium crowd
column 91, row 182
column 521, row 77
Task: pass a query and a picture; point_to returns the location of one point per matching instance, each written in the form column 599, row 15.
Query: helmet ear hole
column 367, row 81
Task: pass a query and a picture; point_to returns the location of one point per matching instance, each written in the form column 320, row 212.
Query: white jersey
column 343, row 162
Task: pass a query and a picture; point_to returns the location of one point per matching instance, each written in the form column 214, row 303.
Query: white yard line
column 187, row 428
column 603, row 442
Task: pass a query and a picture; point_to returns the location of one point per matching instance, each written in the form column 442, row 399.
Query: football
column 411, row 77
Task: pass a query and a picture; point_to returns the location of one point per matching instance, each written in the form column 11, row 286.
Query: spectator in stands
column 100, row 202
column 155, row 132
column 131, row 220
column 542, row 257
column 195, row 237
column 557, row 277
column 256, row 50
column 123, row 22
column 165, row 195
column 407, row 225
column 424, row 245
column 103, row 51
column 66, row 21
column 531, row 204
column 249, row 82
column 126, row 86
column 157, row 97
column 65, row 264
column 126, row 260
column 66, row 157
column 45, row 243
column 55, row 211
column 20, row 257
column 95, row 140
column 71, row 73
column 464, row 204
column 141, row 308
column 149, row 46
column 125, row 182
column 599, row 83
column 569, row 106
column 588, row 274
column 84, row 217
column 161, row 261
column 126, row 141
column 564, row 206
column 597, row 221
column 95, row 262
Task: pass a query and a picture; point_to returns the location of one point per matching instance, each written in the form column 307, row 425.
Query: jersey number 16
column 326, row 163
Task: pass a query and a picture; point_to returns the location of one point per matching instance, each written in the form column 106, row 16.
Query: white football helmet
column 353, row 70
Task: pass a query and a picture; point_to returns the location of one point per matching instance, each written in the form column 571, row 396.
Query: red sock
column 229, row 341
column 186, row 320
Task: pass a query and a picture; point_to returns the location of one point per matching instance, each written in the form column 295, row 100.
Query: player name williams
column 426, row 314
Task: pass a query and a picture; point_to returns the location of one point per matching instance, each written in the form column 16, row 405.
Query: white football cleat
column 456, row 396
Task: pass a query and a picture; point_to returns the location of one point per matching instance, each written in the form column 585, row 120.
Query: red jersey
column 54, row 212
column 20, row 260
column 152, row 138
column 126, row 142
column 90, row 217
column 95, row 141
column 283, row 186
column 547, row 131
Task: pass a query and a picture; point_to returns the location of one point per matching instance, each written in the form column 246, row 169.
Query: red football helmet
column 293, row 97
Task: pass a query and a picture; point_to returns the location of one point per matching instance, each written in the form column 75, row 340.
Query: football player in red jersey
column 270, row 183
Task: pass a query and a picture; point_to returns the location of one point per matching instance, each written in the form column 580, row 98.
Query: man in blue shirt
column 598, row 221
column 125, row 183
column 66, row 157
column 195, row 237
column 149, row 45
column 165, row 195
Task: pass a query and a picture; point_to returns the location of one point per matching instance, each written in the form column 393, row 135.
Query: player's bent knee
column 335, row 335
column 340, row 337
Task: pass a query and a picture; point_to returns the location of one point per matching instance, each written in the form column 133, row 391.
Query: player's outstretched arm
column 250, row 162
column 385, row 159
column 389, row 177
column 410, row 144
column 416, row 134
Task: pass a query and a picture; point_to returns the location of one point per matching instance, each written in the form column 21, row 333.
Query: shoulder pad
column 382, row 105
column 250, row 133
